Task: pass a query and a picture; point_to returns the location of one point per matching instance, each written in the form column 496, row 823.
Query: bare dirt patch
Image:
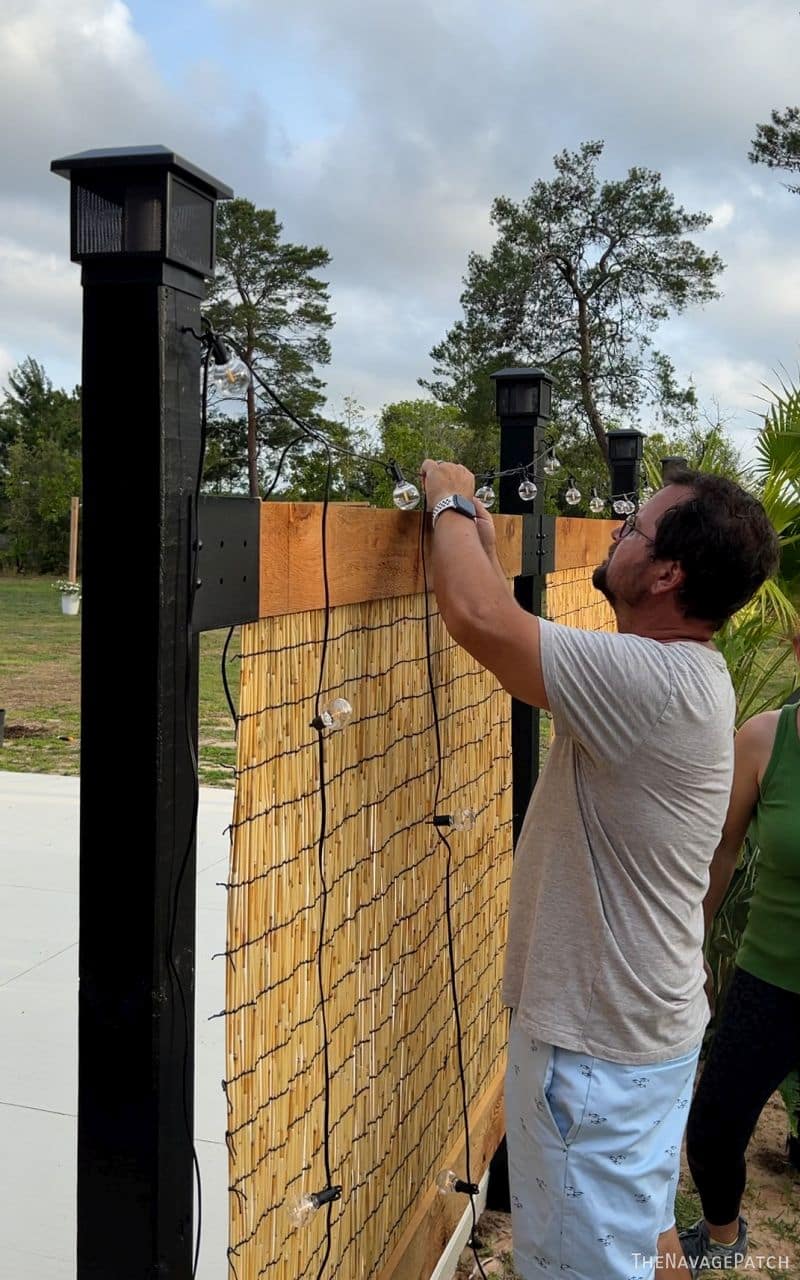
column 43, row 684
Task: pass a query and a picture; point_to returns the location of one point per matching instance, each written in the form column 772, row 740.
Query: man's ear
column 670, row 576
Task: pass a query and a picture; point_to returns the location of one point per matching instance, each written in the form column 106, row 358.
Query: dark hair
column 724, row 542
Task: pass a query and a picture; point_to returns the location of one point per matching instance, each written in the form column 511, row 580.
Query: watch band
column 453, row 502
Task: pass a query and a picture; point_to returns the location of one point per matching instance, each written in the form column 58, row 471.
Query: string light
column 458, row 820
column 230, row 380
column 335, row 716
column 302, row 1207
column 447, row 1182
column 573, row 494
column 405, row 495
column 229, row 376
column 232, row 376
column 485, row 493
column 551, row 465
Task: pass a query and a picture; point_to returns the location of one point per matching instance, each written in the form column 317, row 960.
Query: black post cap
column 626, row 445
column 155, row 157
column 522, row 393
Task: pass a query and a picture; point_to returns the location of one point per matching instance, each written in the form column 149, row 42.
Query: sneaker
column 705, row 1258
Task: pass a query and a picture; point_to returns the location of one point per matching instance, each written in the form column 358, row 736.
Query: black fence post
column 143, row 229
column 523, row 408
column 625, row 450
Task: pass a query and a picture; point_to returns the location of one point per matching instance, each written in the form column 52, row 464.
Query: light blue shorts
column 594, row 1157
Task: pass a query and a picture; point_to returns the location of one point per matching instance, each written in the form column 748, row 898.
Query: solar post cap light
column 625, row 450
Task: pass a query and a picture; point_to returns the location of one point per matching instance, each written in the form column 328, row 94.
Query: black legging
column 755, row 1047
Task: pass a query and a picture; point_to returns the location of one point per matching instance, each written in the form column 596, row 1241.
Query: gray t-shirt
column 611, row 867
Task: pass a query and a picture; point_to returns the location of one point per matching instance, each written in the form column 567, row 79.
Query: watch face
column 464, row 505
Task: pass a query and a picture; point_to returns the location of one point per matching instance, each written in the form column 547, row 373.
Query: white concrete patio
column 38, row 1016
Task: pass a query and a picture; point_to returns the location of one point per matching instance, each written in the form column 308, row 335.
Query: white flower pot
column 70, row 603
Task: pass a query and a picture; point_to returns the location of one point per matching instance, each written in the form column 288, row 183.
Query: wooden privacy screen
column 394, row 1100
column 569, row 595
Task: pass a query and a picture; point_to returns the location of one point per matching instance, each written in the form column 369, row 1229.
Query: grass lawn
column 40, row 687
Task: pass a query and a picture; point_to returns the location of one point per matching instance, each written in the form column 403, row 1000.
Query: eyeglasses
column 629, row 525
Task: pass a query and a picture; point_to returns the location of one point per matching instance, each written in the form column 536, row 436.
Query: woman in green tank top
column 757, row 1043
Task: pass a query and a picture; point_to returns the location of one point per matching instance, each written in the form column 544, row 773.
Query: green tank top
column 770, row 947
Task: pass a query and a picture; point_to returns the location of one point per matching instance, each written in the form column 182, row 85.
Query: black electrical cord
column 323, row 830
column 225, row 684
column 437, row 730
column 193, row 548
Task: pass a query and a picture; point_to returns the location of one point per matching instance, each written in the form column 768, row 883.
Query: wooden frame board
column 375, row 554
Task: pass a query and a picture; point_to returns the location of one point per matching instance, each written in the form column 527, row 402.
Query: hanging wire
column 437, row 732
column 323, row 830
column 225, row 684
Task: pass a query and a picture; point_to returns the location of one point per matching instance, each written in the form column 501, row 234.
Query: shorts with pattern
column 594, row 1157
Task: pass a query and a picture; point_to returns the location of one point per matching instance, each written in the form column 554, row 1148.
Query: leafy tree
column 411, row 430
column 353, row 478
column 777, row 144
column 581, row 275
column 266, row 296
column 42, row 477
column 705, row 447
column 32, row 410
column 292, row 467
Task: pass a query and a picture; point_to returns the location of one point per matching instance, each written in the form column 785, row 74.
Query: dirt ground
column 771, row 1206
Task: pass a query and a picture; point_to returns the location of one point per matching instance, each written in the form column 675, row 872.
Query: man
column 604, row 971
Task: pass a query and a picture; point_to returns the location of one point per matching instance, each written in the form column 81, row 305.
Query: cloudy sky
column 383, row 130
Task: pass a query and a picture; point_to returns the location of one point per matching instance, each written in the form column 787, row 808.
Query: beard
column 600, row 581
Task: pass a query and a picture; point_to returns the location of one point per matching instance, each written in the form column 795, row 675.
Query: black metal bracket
column 546, row 544
column 227, row 588
column 538, row 545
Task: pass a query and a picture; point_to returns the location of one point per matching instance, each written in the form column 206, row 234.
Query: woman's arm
column 752, row 750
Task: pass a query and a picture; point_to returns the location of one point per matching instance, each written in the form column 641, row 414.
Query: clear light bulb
column 630, row 507
column 301, row 1208
column 551, row 465
column 446, row 1182
column 463, row 819
column 596, row 503
column 405, row 495
column 486, row 495
column 573, row 494
column 527, row 490
column 304, row 1205
column 334, row 716
column 618, row 506
column 230, row 380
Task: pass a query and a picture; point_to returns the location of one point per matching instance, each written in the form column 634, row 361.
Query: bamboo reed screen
column 395, row 1105
column 570, row 598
